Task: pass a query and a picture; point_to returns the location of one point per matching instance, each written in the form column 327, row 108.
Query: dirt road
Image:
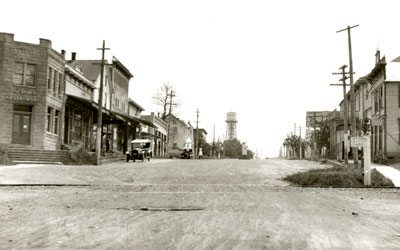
column 210, row 204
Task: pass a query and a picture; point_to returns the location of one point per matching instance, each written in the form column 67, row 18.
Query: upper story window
column 378, row 99
column 24, row 74
column 50, row 79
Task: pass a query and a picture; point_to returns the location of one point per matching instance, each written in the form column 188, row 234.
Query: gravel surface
column 190, row 204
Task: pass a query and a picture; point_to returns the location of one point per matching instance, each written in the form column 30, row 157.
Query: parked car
column 187, row 154
column 141, row 149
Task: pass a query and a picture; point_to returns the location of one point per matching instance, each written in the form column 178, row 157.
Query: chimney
column 45, row 43
column 377, row 57
column 6, row 37
column 73, row 56
column 63, row 52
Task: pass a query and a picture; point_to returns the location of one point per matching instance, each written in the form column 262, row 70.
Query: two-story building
column 180, row 135
column 32, row 94
column 377, row 97
column 80, row 108
column 384, row 95
column 159, row 134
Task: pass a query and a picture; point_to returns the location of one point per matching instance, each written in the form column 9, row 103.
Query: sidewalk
column 387, row 171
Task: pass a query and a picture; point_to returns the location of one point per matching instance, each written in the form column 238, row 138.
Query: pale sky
column 268, row 61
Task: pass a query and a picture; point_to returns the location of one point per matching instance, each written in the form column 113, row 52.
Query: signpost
column 367, row 160
column 365, row 143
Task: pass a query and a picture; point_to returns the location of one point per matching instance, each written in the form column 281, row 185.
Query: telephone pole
column 100, row 108
column 213, row 145
column 197, row 133
column 344, row 77
column 301, row 152
column 169, row 119
column 353, row 105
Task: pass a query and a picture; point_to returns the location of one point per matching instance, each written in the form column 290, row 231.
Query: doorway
column 22, row 117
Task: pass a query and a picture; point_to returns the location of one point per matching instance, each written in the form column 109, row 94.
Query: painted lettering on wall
column 21, row 98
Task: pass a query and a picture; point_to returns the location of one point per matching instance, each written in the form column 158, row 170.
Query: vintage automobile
column 141, row 149
column 187, row 154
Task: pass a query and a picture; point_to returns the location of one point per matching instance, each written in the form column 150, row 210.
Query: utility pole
column 294, row 130
column 315, row 136
column 100, row 108
column 353, row 105
column 197, row 133
column 300, row 146
column 344, row 77
column 213, row 144
column 169, row 119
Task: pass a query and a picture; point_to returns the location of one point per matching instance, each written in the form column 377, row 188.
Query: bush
column 3, row 157
column 341, row 177
column 81, row 157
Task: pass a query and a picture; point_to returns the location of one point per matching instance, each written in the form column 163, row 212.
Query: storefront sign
column 24, row 91
column 22, row 94
column 357, row 141
column 21, row 98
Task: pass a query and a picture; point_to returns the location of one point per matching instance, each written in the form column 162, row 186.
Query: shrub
column 81, row 157
column 3, row 157
column 343, row 177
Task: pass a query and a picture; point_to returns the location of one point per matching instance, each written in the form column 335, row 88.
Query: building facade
column 32, row 94
column 158, row 134
column 180, row 136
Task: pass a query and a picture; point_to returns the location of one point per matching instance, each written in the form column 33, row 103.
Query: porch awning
column 83, row 101
column 123, row 117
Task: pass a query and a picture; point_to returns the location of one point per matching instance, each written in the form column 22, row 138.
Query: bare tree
column 163, row 97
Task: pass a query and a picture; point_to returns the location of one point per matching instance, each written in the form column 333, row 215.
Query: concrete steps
column 36, row 156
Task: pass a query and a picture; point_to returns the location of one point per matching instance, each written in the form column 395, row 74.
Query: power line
column 353, row 105
column 100, row 107
column 343, row 79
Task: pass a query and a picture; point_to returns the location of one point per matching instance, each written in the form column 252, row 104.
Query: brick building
column 32, row 94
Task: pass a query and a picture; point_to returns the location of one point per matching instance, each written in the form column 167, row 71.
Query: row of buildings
column 49, row 102
column 377, row 97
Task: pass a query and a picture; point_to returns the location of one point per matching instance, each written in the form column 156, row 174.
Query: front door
column 21, row 129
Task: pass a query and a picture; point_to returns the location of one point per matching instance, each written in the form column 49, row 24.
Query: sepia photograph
column 213, row 124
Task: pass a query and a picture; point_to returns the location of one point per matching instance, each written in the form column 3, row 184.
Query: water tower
column 231, row 126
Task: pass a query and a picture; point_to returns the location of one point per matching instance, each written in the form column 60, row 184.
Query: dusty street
column 190, row 204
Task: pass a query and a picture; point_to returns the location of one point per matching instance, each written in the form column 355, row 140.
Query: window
column 49, row 79
column 376, row 103
column 174, row 145
column 30, row 75
column 380, row 138
column 105, row 100
column 49, row 118
column 380, row 98
column 398, row 94
column 56, row 121
column 24, row 74
column 18, row 74
column 55, row 88
column 78, row 125
column 60, row 84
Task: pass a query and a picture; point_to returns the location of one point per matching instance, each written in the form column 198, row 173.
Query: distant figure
column 200, row 153
column 107, row 145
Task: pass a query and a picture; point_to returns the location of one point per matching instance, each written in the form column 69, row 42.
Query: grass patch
column 338, row 177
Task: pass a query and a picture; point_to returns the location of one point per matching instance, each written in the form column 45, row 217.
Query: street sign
column 357, row 141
